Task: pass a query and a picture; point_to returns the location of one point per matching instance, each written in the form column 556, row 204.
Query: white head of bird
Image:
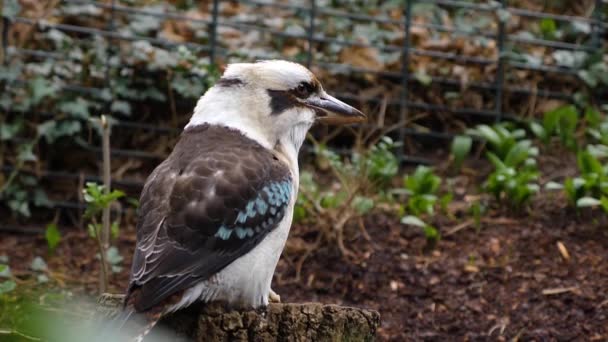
column 273, row 102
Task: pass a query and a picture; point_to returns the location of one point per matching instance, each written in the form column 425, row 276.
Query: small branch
column 107, row 183
column 20, row 334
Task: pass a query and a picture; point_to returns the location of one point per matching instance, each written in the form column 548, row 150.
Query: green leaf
column 38, row 264
column 548, row 28
column 587, row 163
column 461, row 147
column 122, row 107
column 113, row 256
column 539, row 131
column 78, row 108
column 115, row 230
column 42, row 278
column 489, row 134
column 553, row 186
column 498, row 164
column 41, row 199
column 422, row 77
column 413, row 221
column 363, row 205
column 41, row 88
column 10, row 130
column 518, row 153
column 5, row 271
column 7, row 286
column 10, row 8
column 53, row 236
column 604, row 203
column 587, row 202
column 592, row 116
column 431, row 233
column 26, row 153
column 93, row 229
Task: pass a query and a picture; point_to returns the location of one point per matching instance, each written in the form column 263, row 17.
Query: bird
column 214, row 216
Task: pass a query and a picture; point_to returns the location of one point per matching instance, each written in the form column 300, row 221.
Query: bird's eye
column 303, row 90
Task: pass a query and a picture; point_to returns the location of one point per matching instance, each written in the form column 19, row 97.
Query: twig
column 171, row 99
column 20, row 334
column 459, row 227
column 559, row 290
column 105, row 219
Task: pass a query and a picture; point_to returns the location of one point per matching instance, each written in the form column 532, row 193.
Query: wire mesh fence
column 423, row 70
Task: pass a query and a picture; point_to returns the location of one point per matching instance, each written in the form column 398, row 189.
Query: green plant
column 52, row 236
column 430, row 233
column 361, row 182
column 597, row 126
column 460, row 149
column 8, row 284
column 421, row 188
column 515, row 173
column 562, row 122
column 501, row 137
column 590, row 189
column 98, row 200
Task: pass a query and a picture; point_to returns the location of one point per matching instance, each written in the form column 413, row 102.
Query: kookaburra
column 215, row 215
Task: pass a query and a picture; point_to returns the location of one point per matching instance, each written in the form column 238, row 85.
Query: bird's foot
column 273, row 297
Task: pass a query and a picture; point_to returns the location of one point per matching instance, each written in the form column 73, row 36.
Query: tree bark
column 277, row 322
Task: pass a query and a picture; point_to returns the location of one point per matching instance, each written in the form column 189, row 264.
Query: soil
column 538, row 275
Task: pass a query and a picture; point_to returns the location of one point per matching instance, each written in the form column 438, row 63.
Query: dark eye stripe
column 304, row 89
column 282, row 100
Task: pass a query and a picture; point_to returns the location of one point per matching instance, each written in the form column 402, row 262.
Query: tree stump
column 277, row 322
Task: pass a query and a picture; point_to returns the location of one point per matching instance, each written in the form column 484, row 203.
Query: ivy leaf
column 11, row 8
column 7, row 286
column 78, row 108
column 122, row 107
column 41, row 199
column 25, row 153
column 10, row 130
column 40, row 88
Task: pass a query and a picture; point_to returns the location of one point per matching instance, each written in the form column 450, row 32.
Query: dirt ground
column 506, row 280
column 540, row 274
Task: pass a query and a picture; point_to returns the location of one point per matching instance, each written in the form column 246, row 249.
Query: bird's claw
column 273, row 297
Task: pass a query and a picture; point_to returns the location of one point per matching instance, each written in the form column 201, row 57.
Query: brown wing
column 214, row 199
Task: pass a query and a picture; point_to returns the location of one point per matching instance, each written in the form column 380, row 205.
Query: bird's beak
column 330, row 110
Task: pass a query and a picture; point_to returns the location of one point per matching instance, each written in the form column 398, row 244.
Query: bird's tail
column 151, row 320
column 128, row 325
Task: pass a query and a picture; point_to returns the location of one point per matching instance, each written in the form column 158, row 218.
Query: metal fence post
column 405, row 60
column 500, row 39
column 6, row 26
column 311, row 32
column 213, row 31
column 596, row 28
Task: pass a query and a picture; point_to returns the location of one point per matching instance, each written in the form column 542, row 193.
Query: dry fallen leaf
column 563, row 251
column 559, row 290
column 471, row 268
